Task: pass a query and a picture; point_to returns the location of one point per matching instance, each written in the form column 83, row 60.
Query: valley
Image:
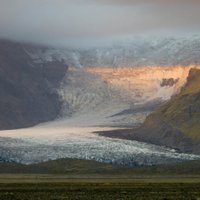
column 65, row 98
column 96, row 100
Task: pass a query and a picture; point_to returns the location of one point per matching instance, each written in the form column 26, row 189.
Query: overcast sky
column 82, row 22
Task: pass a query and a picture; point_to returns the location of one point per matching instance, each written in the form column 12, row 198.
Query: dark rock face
column 168, row 82
column 27, row 89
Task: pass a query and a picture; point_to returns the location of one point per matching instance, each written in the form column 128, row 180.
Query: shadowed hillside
column 27, row 89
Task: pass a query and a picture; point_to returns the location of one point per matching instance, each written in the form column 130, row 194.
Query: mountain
column 28, row 93
column 175, row 124
column 37, row 86
column 30, row 78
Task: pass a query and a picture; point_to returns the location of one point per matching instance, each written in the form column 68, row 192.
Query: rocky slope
column 175, row 124
column 27, row 88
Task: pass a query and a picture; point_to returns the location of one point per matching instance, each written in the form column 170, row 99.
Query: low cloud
column 82, row 22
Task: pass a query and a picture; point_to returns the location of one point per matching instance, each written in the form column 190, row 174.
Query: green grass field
column 79, row 179
column 103, row 190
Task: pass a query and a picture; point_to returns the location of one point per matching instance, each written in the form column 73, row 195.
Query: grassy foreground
column 98, row 191
column 78, row 179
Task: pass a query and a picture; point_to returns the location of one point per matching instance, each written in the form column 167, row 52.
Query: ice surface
column 59, row 140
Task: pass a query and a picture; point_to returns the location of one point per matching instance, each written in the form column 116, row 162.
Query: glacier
column 97, row 100
column 43, row 143
column 104, row 89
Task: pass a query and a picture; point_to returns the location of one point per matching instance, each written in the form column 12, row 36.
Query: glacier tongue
column 49, row 141
column 100, row 99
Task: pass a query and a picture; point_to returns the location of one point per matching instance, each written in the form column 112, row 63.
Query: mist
column 98, row 22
